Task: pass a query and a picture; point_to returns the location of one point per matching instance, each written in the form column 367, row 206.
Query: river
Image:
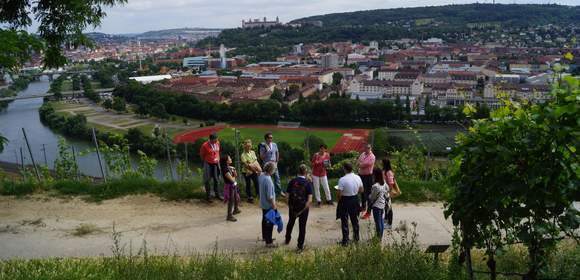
column 24, row 114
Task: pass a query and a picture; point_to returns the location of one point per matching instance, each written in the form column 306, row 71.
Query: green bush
column 18, row 188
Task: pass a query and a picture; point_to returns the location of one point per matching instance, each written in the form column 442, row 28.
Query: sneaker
column 231, row 219
column 318, row 204
column 366, row 215
column 287, row 241
column 329, row 202
column 299, row 250
column 272, row 245
column 250, row 200
column 237, row 211
column 388, row 227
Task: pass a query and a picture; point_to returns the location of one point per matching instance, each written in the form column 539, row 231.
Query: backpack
column 298, row 195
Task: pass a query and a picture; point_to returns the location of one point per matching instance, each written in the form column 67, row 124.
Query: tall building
column 329, row 60
column 253, row 23
column 223, row 63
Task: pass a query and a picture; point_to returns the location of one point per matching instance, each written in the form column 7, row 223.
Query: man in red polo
column 210, row 156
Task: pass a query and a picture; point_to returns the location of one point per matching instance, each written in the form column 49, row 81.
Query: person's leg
column 367, row 185
column 267, row 228
column 344, row 228
column 277, row 182
column 389, row 214
column 363, row 197
column 216, row 180
column 236, row 200
column 355, row 228
column 302, row 227
column 379, row 221
column 206, row 177
column 256, row 184
column 290, row 226
column 248, row 180
column 326, row 188
column 316, row 185
column 231, row 199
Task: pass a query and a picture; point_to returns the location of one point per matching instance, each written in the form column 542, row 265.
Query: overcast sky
column 145, row 15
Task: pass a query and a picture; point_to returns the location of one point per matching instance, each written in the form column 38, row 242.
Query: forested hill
column 453, row 15
column 452, row 22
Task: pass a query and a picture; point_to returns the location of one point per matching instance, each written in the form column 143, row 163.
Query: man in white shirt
column 349, row 186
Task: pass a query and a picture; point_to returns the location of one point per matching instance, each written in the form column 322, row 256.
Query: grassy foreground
column 400, row 260
column 413, row 191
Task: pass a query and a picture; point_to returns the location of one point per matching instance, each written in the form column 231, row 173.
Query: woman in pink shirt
column 320, row 162
column 394, row 191
column 366, row 162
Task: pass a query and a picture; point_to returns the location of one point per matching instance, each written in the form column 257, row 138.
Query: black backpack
column 298, row 195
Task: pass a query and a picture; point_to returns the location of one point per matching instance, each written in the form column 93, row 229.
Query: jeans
column 249, row 179
column 277, row 183
column 267, row 228
column 302, row 218
column 211, row 172
column 367, row 181
column 317, row 181
column 379, row 222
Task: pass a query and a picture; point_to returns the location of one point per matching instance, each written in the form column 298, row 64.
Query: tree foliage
column 60, row 23
column 516, row 176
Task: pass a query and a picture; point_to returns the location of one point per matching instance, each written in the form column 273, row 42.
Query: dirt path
column 40, row 226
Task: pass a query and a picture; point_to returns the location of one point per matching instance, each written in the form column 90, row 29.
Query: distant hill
column 174, row 33
column 447, row 22
column 453, row 15
column 185, row 33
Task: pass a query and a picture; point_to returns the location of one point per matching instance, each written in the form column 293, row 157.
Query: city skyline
column 146, row 15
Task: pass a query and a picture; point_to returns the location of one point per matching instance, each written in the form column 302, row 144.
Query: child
column 378, row 201
column 231, row 189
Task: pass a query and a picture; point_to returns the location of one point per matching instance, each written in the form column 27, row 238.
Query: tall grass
column 130, row 185
column 365, row 261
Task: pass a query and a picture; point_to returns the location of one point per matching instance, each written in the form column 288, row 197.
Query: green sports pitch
column 294, row 137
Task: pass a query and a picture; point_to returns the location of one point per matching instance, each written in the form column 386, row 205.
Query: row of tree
column 334, row 111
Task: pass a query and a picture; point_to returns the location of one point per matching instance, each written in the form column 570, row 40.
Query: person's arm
column 360, row 186
column 277, row 154
column 271, row 195
column 230, row 178
column 202, row 153
column 262, row 153
column 338, row 194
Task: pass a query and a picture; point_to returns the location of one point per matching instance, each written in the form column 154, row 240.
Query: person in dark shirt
column 299, row 195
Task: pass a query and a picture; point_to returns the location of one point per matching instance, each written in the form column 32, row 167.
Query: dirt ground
column 41, row 226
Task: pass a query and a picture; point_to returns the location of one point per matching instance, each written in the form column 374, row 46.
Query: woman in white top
column 378, row 201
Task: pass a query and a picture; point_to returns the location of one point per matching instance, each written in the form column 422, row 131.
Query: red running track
column 351, row 140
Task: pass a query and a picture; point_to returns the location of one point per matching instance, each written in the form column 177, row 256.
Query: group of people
column 375, row 187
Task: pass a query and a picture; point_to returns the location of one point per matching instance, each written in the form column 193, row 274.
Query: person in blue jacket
column 267, row 201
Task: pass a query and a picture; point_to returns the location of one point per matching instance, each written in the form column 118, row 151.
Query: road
column 41, row 226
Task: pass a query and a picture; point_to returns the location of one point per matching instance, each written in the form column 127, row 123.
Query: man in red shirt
column 321, row 161
column 210, row 156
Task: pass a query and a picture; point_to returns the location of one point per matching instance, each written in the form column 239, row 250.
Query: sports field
column 294, row 137
column 435, row 141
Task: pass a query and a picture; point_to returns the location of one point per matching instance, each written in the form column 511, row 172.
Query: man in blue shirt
column 269, row 153
column 267, row 201
column 299, row 199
